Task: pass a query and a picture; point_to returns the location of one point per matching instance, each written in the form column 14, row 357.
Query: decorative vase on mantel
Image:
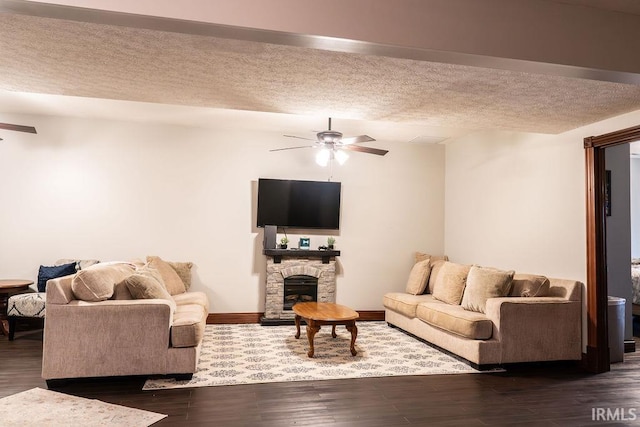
column 283, row 243
column 330, row 242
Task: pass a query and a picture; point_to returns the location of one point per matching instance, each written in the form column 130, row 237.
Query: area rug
column 39, row 407
column 251, row 353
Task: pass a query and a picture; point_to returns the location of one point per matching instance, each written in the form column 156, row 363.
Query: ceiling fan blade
column 299, row 137
column 19, row 128
column 356, row 139
column 292, row 148
column 368, row 150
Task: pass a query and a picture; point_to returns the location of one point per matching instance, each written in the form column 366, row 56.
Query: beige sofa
column 103, row 330
column 509, row 329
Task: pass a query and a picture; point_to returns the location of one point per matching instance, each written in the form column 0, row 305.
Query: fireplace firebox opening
column 300, row 288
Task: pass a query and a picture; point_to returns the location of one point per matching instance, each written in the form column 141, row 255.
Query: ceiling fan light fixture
column 332, row 145
column 341, row 157
column 323, row 156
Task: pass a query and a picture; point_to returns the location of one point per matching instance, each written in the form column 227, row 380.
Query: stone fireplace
column 309, row 276
column 299, row 288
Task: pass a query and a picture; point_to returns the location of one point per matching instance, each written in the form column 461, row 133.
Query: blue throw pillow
column 46, row 273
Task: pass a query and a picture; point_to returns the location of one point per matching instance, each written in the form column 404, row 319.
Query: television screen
column 299, row 204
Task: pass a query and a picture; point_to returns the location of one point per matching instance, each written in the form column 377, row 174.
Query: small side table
column 9, row 287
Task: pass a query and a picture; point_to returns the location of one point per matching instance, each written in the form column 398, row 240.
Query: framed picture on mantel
column 305, row 243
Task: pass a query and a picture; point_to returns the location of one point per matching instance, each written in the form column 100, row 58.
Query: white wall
column 516, row 201
column 117, row 190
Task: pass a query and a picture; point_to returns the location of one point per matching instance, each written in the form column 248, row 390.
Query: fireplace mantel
column 278, row 254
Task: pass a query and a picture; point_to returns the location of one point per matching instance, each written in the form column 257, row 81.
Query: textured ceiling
column 52, row 56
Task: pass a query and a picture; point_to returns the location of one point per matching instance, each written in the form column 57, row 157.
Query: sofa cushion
column 96, row 283
column 183, row 269
column 171, row 280
column 82, row 263
column 450, row 282
column 404, row 303
column 121, row 292
column 188, row 325
column 484, row 283
column 192, row 297
column 420, row 256
column 529, row 285
column 436, row 265
column 418, row 277
column 144, row 284
column 455, row 319
column 46, row 273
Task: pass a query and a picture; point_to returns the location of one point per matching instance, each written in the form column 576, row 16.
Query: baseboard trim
column 226, row 318
column 371, row 315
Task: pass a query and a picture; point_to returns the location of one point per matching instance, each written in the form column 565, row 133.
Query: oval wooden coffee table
column 316, row 314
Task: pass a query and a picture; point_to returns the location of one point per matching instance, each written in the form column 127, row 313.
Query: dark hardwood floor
column 546, row 395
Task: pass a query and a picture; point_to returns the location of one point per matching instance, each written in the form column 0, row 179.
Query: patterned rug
column 39, row 407
column 251, row 353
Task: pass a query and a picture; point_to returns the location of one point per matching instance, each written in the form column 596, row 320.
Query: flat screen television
column 299, row 204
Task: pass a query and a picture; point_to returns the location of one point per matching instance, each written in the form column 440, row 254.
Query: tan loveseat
column 95, row 327
column 508, row 329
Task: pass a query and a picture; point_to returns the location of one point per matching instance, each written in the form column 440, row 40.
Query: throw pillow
column 484, row 283
column 144, row 284
column 418, row 277
column 529, row 285
column 183, row 269
column 435, row 270
column 436, row 263
column 147, row 269
column 171, row 280
column 46, row 273
column 450, row 283
column 97, row 283
column 421, row 256
column 82, row 263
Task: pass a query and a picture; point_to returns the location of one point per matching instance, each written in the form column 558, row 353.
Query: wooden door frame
column 597, row 357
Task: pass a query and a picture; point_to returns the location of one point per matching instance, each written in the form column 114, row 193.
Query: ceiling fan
column 18, row 128
column 333, row 146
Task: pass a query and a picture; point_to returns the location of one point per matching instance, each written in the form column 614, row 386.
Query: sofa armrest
column 536, row 329
column 114, row 337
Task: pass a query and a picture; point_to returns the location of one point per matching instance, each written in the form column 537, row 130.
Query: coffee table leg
column 351, row 327
column 297, row 326
column 333, row 331
column 312, row 328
